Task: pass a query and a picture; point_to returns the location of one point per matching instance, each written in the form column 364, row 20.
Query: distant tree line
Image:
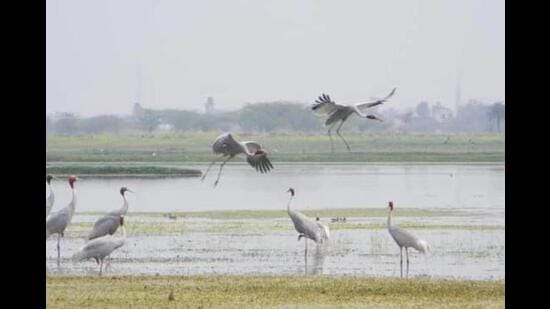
column 269, row 117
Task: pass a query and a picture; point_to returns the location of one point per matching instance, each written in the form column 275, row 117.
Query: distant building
column 441, row 113
column 458, row 94
column 165, row 127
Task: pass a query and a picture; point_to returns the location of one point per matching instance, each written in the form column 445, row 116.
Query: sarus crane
column 58, row 221
column 324, row 106
column 405, row 239
column 306, row 227
column 227, row 147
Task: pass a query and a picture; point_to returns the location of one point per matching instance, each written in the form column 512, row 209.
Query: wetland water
column 467, row 237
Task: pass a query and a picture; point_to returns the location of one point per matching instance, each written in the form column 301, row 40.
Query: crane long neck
column 389, row 219
column 124, row 207
column 358, row 111
column 51, row 196
column 288, row 205
column 73, row 200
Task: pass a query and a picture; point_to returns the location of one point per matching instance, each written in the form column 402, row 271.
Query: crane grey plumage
column 226, row 146
column 324, row 106
column 405, row 239
column 108, row 224
column 325, row 232
column 51, row 197
column 306, row 228
column 58, row 221
column 101, row 247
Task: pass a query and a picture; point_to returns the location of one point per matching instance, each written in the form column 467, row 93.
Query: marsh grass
column 270, row 292
column 120, row 171
column 323, row 213
column 246, row 221
column 295, row 147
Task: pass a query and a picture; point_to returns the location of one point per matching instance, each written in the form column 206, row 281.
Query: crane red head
column 291, row 191
column 72, row 180
column 390, row 205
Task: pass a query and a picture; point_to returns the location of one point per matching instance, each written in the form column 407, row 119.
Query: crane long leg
column 330, row 136
column 221, row 167
column 210, row 166
column 401, row 261
column 305, row 254
column 101, row 267
column 58, row 249
column 407, row 252
column 338, row 132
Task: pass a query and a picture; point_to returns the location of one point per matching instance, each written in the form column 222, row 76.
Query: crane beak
column 128, row 190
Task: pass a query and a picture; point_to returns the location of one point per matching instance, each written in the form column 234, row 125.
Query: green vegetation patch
column 269, row 292
column 322, row 213
column 295, row 147
column 121, row 171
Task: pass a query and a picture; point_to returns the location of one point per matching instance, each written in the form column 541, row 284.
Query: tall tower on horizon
column 139, row 78
column 458, row 92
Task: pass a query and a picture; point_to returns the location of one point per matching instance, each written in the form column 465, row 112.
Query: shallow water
column 316, row 185
column 472, row 248
column 455, row 253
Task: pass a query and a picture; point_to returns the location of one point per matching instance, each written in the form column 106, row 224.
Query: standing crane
column 405, row 239
column 58, row 221
column 51, row 197
column 101, row 247
column 228, row 147
column 324, row 106
column 306, row 227
column 108, row 224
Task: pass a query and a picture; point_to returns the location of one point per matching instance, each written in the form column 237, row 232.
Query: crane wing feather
column 406, row 239
column 106, row 225
column 101, row 247
column 258, row 159
column 305, row 225
column 324, row 106
column 325, row 232
column 375, row 103
column 260, row 162
column 57, row 222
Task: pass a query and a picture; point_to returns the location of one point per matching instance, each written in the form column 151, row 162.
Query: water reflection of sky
column 316, row 185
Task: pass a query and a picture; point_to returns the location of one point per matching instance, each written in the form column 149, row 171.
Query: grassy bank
column 256, row 221
column 269, row 292
column 196, row 147
column 120, row 171
column 323, row 213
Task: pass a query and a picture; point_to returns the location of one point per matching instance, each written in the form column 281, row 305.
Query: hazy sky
column 265, row 50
